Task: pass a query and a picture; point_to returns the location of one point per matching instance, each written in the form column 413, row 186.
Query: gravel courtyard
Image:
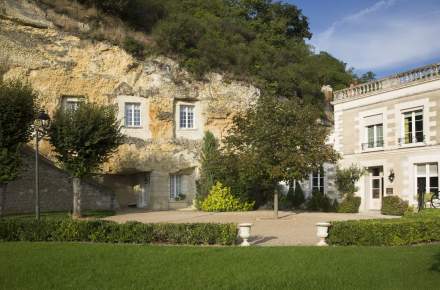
column 292, row 228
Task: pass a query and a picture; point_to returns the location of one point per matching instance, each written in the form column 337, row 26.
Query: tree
column 281, row 138
column 83, row 139
column 261, row 41
column 346, row 179
column 367, row 77
column 17, row 112
column 208, row 171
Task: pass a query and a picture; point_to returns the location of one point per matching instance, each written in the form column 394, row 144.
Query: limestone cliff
column 59, row 64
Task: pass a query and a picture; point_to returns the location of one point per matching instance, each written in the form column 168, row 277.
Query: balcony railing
column 412, row 139
column 425, row 73
column 372, row 145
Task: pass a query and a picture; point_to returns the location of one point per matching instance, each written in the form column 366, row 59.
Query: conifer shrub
column 298, row 197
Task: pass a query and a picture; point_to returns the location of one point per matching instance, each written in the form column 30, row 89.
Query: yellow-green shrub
column 220, row 198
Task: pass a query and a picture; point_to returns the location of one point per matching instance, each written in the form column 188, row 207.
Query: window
column 427, row 177
column 132, row 114
column 374, row 136
column 413, row 127
column 175, row 185
column 318, row 180
column 71, row 103
column 186, row 117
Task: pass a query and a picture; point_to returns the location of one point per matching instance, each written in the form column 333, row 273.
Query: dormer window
column 132, row 115
column 186, row 117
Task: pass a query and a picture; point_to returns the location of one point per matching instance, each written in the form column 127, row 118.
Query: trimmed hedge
column 393, row 205
column 394, row 232
column 69, row 230
column 350, row 205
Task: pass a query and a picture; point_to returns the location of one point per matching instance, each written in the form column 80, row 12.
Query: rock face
column 61, row 66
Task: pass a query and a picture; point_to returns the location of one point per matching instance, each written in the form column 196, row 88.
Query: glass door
column 376, row 192
column 426, row 180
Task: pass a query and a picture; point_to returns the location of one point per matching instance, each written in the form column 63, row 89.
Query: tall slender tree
column 209, row 158
column 83, row 139
column 17, row 112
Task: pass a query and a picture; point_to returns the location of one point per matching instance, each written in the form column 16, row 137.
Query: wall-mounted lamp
column 391, row 175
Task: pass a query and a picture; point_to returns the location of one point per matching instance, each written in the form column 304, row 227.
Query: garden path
column 291, row 228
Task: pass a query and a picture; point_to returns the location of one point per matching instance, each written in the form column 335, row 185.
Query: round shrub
column 350, row 204
column 393, row 205
column 220, row 198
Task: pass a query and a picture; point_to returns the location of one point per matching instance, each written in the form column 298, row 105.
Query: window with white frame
column 318, row 180
column 72, row 103
column 412, row 127
column 132, row 115
column 175, row 185
column 375, row 136
column 186, row 116
column 427, row 177
column 373, row 132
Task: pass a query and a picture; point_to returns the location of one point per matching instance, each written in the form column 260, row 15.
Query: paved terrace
column 292, row 228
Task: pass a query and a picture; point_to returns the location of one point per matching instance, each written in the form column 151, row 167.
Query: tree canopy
column 85, row 137
column 17, row 112
column 283, row 139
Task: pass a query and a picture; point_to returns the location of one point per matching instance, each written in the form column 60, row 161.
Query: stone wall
column 55, row 190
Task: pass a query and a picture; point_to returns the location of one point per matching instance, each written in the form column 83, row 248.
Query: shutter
column 373, row 120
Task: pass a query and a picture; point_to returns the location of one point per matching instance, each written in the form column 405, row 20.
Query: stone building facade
column 55, row 190
column 391, row 127
column 163, row 110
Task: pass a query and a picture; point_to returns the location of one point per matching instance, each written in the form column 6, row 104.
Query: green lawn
column 109, row 266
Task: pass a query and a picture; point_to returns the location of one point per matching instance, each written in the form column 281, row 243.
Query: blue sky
column 384, row 36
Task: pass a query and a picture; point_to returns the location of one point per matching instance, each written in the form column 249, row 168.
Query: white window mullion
column 413, row 125
column 375, row 136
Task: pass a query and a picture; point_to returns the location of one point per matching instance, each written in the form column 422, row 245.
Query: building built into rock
column 163, row 110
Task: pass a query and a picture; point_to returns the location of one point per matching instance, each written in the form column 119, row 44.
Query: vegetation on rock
column 260, row 41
